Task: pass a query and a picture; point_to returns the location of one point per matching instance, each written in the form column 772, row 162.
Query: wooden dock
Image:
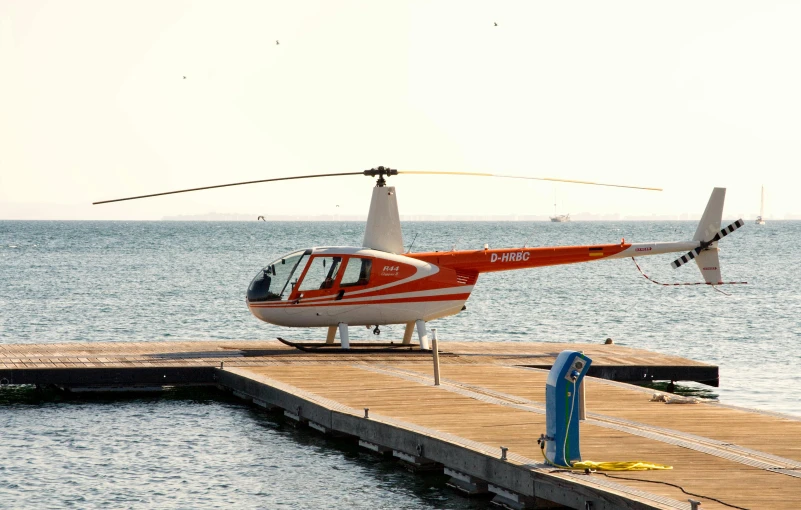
column 184, row 362
column 490, row 397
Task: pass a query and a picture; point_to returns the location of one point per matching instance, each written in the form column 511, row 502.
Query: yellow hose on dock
column 633, row 465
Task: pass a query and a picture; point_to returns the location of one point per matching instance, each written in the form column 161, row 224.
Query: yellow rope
column 634, row 465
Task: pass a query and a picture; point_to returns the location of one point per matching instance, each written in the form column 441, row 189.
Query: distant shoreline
column 420, row 219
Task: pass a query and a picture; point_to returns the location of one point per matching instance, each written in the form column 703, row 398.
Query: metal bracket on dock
column 264, row 404
column 317, row 426
column 510, row 499
column 112, row 389
column 374, row 447
column 292, row 415
column 465, row 483
column 414, row 463
column 295, row 416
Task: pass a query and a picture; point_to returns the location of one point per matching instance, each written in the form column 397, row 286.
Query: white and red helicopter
column 378, row 284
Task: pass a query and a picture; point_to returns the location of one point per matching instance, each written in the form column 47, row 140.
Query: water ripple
column 149, row 281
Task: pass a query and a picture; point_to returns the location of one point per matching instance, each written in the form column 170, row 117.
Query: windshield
column 276, row 281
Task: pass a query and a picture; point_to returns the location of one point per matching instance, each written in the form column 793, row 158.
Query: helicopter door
column 357, row 272
column 355, row 275
column 320, row 277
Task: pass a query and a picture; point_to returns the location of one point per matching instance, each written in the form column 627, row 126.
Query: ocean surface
column 155, row 281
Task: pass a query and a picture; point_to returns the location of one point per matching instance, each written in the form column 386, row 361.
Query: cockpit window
column 357, row 272
column 274, row 282
column 321, row 274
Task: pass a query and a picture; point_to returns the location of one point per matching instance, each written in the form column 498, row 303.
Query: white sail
column 761, row 218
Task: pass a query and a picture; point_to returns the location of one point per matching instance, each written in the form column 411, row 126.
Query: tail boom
column 643, row 249
column 507, row 259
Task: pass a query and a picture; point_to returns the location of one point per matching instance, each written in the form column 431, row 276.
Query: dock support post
column 422, row 334
column 343, row 335
column 332, row 331
column 407, row 333
column 435, row 352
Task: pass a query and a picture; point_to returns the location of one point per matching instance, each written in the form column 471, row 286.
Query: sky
column 102, row 100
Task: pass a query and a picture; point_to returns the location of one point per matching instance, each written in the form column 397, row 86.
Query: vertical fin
column 709, row 264
column 710, row 221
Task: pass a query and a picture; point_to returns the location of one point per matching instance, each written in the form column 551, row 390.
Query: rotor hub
column 380, row 172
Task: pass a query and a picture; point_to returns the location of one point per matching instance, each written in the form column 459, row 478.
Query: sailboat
column 558, row 218
column 759, row 220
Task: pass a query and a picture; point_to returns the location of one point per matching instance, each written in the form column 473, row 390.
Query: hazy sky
column 684, row 95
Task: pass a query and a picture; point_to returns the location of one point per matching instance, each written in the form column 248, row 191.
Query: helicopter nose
column 259, row 289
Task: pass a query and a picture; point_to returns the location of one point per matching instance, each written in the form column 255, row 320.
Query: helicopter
column 379, row 284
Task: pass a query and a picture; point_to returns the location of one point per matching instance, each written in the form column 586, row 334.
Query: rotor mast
column 383, row 229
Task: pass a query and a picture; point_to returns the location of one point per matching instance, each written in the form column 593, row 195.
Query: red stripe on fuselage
column 506, row 259
column 421, row 299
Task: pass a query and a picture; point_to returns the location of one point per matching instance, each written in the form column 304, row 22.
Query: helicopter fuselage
column 321, row 287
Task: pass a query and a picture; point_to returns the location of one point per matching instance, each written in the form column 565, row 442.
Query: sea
column 96, row 281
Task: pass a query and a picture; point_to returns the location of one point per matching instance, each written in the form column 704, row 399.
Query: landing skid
column 355, row 348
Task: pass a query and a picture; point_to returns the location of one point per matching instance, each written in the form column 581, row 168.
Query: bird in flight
column 496, row 23
column 184, row 77
column 260, row 218
column 276, row 42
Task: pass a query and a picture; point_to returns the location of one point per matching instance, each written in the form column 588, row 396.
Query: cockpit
column 275, row 282
column 317, row 274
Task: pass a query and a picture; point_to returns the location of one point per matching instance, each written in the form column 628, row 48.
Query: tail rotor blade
column 728, row 230
column 684, row 259
column 723, row 233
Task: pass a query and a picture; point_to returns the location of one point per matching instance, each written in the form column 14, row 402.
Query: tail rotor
column 706, row 253
column 706, row 244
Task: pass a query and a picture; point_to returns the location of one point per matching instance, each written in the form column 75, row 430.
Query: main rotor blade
column 226, row 186
column 552, row 179
column 380, row 171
